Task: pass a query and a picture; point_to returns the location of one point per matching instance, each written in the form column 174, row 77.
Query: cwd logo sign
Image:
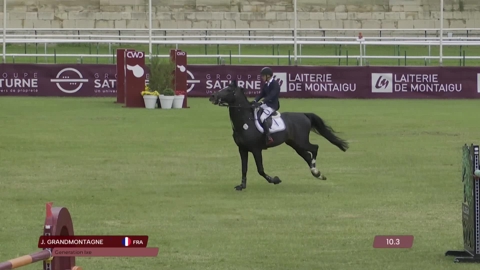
column 182, row 68
column 135, row 54
column 69, row 80
column 382, row 83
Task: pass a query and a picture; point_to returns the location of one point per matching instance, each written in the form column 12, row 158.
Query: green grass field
column 253, row 50
column 171, row 175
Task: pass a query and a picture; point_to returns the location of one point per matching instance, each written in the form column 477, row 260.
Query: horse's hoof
column 276, row 180
column 239, row 188
column 317, row 174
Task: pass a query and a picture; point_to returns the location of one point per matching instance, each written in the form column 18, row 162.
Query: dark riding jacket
column 270, row 94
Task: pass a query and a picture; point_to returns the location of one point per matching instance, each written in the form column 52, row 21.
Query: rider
column 270, row 94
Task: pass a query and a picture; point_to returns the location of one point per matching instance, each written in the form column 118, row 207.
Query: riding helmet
column 266, row 71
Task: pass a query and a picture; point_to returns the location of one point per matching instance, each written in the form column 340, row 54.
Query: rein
column 233, row 106
column 221, row 103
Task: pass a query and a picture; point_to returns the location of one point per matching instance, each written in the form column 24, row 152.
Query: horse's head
column 228, row 95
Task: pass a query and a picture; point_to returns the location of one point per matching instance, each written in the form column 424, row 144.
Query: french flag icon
column 127, row 241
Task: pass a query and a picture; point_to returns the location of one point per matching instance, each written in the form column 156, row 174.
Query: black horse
column 291, row 128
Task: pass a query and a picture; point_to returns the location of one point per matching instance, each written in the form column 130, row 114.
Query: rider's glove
column 255, row 103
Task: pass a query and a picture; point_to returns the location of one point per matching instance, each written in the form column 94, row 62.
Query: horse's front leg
column 244, row 157
column 259, row 162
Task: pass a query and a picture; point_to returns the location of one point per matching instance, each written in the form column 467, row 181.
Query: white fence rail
column 249, row 36
column 73, row 38
column 363, row 45
column 421, row 42
column 257, row 31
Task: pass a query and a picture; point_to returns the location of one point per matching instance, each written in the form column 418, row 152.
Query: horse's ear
column 234, row 83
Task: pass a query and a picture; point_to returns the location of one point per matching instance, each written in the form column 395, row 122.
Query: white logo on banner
column 281, row 78
column 382, row 83
column 191, row 83
column 478, row 82
column 63, row 80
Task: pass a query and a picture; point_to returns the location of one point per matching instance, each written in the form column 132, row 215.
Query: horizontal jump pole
column 26, row 260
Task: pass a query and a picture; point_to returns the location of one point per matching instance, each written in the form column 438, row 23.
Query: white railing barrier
column 300, row 31
column 249, row 42
column 120, row 38
column 362, row 44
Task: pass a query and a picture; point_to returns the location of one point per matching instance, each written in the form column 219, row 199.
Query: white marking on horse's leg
column 313, row 169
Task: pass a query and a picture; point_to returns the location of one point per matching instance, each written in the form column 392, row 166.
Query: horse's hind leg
column 309, row 154
column 313, row 150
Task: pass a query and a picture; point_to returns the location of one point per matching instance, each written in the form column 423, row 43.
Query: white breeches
column 267, row 111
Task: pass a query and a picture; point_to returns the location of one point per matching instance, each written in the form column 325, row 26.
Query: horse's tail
column 319, row 127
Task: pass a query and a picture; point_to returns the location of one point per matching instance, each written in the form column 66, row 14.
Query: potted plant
column 150, row 97
column 178, row 101
column 166, row 100
column 161, row 75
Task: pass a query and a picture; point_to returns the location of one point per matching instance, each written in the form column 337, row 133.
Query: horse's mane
column 242, row 91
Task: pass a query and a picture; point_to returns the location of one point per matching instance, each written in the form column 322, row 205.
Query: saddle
column 274, row 122
column 268, row 121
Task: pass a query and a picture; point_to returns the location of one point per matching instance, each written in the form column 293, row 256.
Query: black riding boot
column 266, row 131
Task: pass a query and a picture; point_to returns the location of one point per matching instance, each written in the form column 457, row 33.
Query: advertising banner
column 96, row 80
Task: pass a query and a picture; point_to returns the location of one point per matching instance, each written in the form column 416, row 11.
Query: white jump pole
column 295, row 31
column 4, row 55
column 150, row 29
column 441, row 33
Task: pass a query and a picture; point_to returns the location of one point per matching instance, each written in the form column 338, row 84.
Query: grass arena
column 170, row 174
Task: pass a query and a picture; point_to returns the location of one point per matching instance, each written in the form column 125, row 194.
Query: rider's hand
column 255, row 104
